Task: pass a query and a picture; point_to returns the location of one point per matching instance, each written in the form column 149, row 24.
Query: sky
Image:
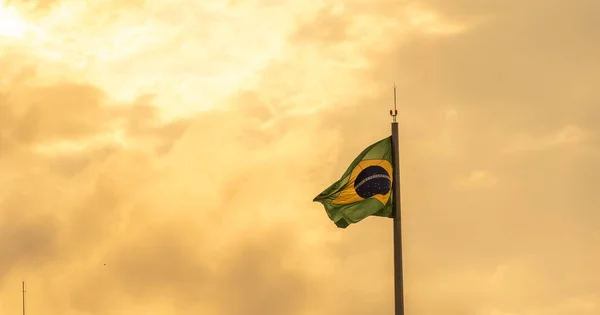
column 161, row 157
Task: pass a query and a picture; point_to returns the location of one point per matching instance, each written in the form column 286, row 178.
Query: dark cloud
column 45, row 114
column 28, row 239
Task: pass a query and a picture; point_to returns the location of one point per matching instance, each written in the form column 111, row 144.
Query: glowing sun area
column 11, row 24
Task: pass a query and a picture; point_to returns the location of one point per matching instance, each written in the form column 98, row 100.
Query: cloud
column 568, row 135
column 118, row 195
column 478, row 179
column 111, row 201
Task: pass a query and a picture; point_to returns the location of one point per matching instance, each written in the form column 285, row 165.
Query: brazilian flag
column 364, row 189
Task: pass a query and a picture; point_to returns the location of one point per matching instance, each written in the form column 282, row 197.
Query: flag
column 364, row 189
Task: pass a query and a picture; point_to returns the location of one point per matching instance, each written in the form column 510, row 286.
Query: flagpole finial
column 394, row 112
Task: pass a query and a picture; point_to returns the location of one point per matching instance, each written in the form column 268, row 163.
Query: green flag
column 364, row 189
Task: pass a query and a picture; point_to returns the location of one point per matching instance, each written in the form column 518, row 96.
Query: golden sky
column 160, row 157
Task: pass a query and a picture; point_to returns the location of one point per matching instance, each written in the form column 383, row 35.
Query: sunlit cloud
column 430, row 22
column 161, row 156
column 11, row 24
column 568, row 135
column 478, row 179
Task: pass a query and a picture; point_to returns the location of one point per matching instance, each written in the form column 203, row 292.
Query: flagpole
column 398, row 272
column 23, row 285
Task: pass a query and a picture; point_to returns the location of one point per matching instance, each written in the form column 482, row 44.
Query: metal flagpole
column 23, row 283
column 398, row 273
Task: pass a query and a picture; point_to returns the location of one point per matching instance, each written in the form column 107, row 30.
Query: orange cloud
column 160, row 157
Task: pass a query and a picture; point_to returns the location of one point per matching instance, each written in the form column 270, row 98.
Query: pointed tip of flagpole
column 394, row 112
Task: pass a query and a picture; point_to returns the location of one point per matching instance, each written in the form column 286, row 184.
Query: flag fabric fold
column 364, row 190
